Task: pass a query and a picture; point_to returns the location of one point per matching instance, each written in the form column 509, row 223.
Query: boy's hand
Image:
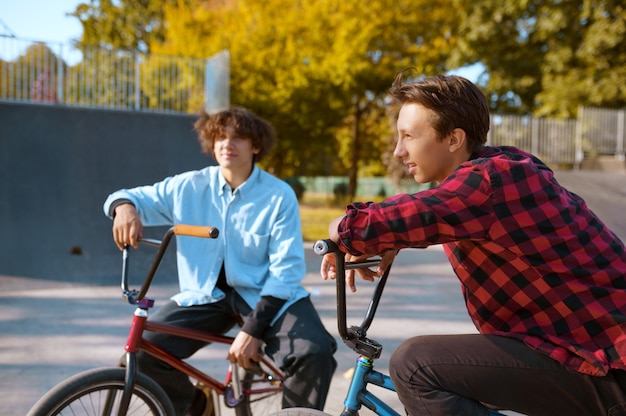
column 244, row 350
column 328, row 268
column 127, row 226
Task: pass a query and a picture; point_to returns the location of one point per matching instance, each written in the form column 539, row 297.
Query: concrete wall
column 58, row 164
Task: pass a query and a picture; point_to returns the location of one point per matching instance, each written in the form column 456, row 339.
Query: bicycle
column 355, row 337
column 123, row 390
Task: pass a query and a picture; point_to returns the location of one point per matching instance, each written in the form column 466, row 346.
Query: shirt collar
column 224, row 187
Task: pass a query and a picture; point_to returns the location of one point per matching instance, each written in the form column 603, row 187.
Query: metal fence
column 552, row 140
column 32, row 71
column 601, row 131
column 596, row 132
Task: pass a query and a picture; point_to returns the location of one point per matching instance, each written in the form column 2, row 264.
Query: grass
column 316, row 213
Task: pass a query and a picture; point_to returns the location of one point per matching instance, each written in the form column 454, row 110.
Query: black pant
column 461, row 374
column 297, row 342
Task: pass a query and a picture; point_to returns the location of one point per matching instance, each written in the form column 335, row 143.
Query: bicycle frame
column 231, row 387
column 356, row 338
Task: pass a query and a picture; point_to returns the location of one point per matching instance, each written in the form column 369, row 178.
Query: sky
column 42, row 20
column 38, row 20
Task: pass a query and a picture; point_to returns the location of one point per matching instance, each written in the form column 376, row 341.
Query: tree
column 131, row 25
column 366, row 48
column 319, row 70
column 586, row 60
column 546, row 58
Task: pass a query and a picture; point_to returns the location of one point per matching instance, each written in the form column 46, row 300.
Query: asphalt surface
column 50, row 330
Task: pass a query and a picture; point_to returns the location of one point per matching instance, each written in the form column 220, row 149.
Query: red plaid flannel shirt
column 534, row 262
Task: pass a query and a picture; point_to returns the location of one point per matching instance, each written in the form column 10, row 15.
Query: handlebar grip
column 322, row 247
column 196, row 231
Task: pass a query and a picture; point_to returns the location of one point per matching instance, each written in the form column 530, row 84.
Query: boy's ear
column 457, row 140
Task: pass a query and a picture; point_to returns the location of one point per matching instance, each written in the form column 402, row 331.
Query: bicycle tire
column 299, row 411
column 86, row 393
column 262, row 405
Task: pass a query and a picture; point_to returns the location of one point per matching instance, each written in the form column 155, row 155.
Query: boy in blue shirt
column 250, row 275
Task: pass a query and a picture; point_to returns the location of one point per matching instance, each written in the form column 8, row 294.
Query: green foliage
column 131, row 25
column 546, row 58
column 297, row 186
column 341, row 193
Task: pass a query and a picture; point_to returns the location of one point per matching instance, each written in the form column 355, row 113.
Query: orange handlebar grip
column 196, row 231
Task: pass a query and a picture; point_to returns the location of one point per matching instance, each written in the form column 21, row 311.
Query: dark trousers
column 463, row 374
column 298, row 343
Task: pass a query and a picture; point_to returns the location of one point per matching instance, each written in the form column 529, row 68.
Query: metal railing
column 601, row 131
column 32, row 71
column 552, row 140
column 596, row 132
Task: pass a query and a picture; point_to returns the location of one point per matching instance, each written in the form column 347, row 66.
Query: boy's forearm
column 333, row 233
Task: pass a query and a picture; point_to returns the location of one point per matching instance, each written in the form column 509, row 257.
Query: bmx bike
column 123, row 390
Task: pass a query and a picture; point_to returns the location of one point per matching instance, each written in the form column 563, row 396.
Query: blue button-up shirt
column 260, row 239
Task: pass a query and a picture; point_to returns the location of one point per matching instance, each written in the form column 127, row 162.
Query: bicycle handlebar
column 196, row 231
column 322, row 247
column 354, row 337
column 137, row 298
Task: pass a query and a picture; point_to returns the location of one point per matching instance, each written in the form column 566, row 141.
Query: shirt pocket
column 254, row 250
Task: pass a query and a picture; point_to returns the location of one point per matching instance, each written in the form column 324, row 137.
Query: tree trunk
column 356, row 152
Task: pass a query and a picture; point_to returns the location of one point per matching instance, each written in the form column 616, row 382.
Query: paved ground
column 50, row 330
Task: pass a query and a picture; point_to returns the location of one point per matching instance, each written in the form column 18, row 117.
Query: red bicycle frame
column 232, row 388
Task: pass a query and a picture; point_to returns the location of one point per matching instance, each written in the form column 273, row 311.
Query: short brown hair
column 456, row 102
column 246, row 125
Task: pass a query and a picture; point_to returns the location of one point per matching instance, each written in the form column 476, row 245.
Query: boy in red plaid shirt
column 544, row 280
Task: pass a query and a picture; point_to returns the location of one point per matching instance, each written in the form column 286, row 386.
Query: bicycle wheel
column 299, row 411
column 98, row 392
column 260, row 404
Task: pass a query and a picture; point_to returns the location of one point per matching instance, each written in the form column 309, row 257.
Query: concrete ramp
column 57, row 166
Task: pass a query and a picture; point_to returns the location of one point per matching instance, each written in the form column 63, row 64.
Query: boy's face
column 420, row 148
column 232, row 151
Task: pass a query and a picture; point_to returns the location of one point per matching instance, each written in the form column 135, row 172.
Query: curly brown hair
column 246, row 124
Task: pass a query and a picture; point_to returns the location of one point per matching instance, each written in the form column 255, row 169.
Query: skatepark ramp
column 57, row 166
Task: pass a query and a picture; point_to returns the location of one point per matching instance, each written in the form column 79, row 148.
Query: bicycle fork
column 132, row 347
